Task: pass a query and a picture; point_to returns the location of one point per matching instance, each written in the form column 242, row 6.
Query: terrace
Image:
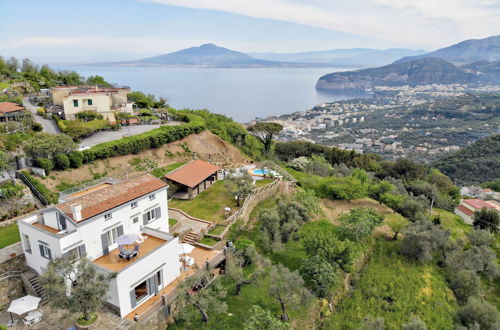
column 112, row 261
column 201, row 256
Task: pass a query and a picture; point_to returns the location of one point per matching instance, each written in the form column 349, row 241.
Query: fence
column 32, row 188
column 168, row 298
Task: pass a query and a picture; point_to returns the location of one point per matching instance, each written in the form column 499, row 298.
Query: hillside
column 356, row 57
column 465, row 52
column 487, row 72
column 474, row 164
column 417, row 72
column 206, row 55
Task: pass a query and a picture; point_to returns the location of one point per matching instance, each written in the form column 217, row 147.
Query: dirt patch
column 333, row 209
column 205, row 145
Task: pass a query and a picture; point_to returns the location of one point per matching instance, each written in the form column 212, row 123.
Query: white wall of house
column 467, row 219
column 131, row 218
column 165, row 259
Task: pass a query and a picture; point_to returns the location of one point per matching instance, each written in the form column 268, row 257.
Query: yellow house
column 103, row 100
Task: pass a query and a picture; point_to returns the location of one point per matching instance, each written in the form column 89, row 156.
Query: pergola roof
column 192, row 173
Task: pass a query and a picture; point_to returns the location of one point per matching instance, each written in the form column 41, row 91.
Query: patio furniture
column 189, row 261
column 33, row 317
column 23, row 305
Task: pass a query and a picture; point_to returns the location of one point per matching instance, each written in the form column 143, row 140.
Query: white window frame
column 152, row 197
column 112, row 235
column 27, row 244
column 135, row 219
column 108, row 216
column 134, row 205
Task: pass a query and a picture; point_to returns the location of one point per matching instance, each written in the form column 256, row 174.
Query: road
column 105, row 136
column 49, row 125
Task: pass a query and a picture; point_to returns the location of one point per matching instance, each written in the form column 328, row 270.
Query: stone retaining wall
column 11, row 260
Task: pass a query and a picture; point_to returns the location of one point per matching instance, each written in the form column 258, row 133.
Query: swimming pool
column 258, row 172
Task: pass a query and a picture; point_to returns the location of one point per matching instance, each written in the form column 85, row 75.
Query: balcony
column 113, row 263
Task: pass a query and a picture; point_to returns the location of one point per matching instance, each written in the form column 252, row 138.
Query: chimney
column 76, row 210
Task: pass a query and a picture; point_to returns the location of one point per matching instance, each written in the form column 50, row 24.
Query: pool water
column 259, row 172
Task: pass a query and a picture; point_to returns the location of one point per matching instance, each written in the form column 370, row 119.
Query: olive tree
column 288, row 288
column 75, row 286
column 239, row 185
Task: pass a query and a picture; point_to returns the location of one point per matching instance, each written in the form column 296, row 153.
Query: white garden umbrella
column 127, row 239
column 187, row 248
column 23, row 305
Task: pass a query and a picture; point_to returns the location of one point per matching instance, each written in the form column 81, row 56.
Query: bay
column 240, row 93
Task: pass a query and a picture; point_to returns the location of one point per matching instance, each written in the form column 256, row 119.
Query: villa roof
column 192, row 173
column 478, row 203
column 104, row 199
column 6, row 107
column 465, row 210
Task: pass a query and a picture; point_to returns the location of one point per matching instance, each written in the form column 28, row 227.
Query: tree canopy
column 265, row 132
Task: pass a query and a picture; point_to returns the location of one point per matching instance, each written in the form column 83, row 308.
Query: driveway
column 49, row 125
column 105, row 136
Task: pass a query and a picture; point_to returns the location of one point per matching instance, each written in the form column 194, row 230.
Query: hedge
column 50, row 196
column 62, row 161
column 151, row 139
column 46, row 164
column 76, row 158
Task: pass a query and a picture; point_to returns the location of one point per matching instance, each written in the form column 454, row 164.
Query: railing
column 85, row 186
column 32, row 188
column 10, row 274
column 167, row 299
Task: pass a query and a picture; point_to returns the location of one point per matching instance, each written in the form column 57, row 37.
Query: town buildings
column 11, row 111
column 468, row 207
column 87, row 223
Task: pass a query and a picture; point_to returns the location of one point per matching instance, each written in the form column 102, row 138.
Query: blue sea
column 242, row 94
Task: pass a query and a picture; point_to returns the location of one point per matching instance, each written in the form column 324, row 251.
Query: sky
column 60, row 32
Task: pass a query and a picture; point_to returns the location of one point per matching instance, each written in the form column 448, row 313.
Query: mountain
column 487, row 72
column 478, row 162
column 356, row 57
column 417, row 72
column 465, row 52
column 207, row 55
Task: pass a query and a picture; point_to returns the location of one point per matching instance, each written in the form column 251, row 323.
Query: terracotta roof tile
column 464, row 210
column 192, row 173
column 6, row 107
column 102, row 200
column 478, row 203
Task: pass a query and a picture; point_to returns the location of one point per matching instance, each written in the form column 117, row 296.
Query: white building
column 88, row 222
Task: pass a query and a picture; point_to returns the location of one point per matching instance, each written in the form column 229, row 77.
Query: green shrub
column 46, row 164
column 151, row 139
column 88, row 115
column 37, row 127
column 40, row 111
column 76, row 158
column 50, row 196
column 62, row 161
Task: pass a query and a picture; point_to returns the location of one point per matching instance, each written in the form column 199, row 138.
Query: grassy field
column 394, row 288
column 452, row 222
column 9, row 235
column 208, row 241
column 209, row 205
column 171, row 222
column 217, row 230
column 161, row 171
column 263, row 182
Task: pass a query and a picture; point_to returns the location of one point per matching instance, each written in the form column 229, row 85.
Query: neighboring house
column 468, row 207
column 192, row 178
column 103, row 100
column 11, row 111
column 87, row 223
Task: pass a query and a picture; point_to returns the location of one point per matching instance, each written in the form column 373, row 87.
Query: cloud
column 405, row 22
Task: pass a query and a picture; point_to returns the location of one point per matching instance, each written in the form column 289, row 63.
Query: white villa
column 87, row 223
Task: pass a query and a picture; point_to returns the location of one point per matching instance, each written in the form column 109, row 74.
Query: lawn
column 161, row 171
column 263, row 182
column 393, row 287
column 217, row 230
column 452, row 222
column 4, row 84
column 9, row 235
column 208, row 241
column 209, row 205
column 171, row 222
